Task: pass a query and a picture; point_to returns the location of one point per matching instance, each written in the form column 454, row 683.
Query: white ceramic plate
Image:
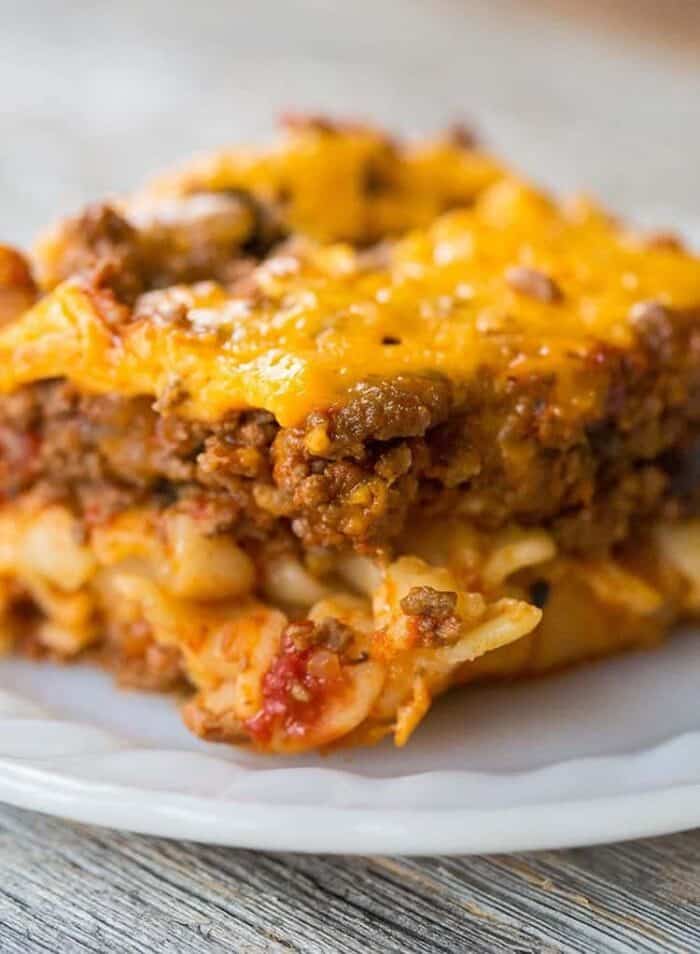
column 606, row 752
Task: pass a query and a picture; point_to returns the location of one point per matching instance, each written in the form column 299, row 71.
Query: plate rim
column 358, row 831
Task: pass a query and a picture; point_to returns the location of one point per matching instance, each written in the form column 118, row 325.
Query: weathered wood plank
column 66, row 888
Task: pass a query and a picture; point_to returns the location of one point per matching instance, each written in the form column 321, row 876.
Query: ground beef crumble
column 434, row 615
column 213, row 236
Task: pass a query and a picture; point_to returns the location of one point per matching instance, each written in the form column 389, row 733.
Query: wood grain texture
column 66, row 888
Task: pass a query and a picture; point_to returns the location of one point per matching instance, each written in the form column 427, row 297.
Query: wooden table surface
column 92, row 96
column 67, row 889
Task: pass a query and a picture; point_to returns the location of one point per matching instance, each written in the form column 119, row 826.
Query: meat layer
column 359, row 475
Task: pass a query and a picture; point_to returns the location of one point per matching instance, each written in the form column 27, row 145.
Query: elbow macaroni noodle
column 204, row 598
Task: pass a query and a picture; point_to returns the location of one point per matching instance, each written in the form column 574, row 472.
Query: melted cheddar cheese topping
column 450, row 299
column 350, row 184
column 329, row 182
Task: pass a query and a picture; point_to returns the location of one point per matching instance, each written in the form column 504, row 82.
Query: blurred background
column 597, row 93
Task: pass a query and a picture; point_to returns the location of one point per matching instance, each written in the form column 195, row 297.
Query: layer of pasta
column 347, row 652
